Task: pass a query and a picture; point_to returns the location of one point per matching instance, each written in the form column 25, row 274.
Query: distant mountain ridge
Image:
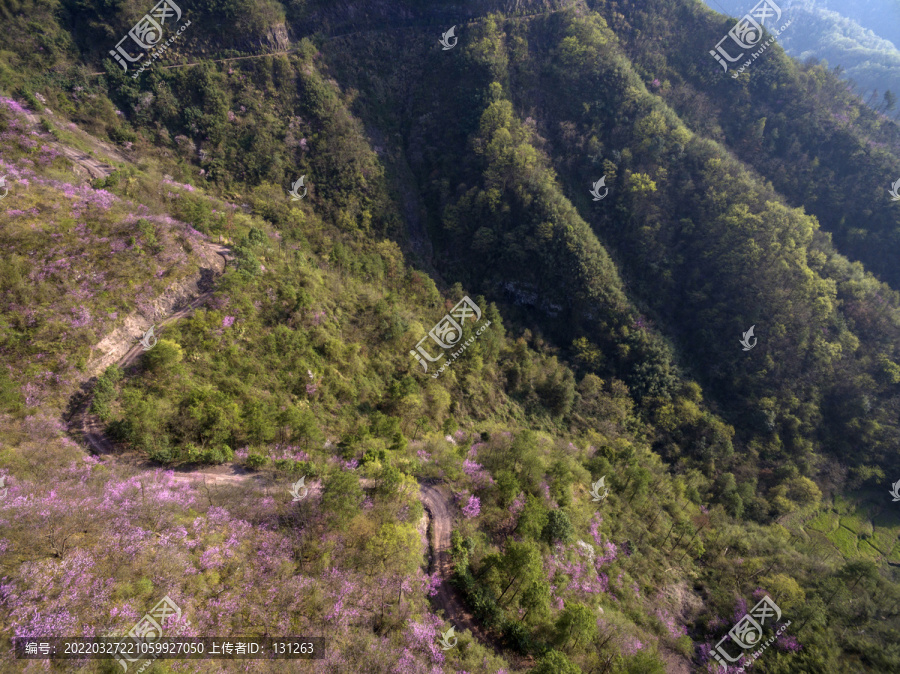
column 861, row 38
column 338, row 17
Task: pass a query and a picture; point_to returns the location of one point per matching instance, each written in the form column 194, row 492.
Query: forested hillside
column 660, row 310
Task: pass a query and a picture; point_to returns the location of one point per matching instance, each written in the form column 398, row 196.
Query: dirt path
column 124, row 350
column 94, row 167
column 438, row 508
column 121, row 347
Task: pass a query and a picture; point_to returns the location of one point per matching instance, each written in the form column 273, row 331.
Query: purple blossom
column 472, row 508
column 82, row 317
column 575, row 565
column 546, row 489
column 632, row 645
column 480, row 477
column 14, row 106
column 788, row 643
column 228, row 321
column 518, row 504
column 596, row 521
column 672, row 627
column 609, row 555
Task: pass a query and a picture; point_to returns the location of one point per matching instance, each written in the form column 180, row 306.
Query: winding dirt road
column 90, row 430
column 121, row 347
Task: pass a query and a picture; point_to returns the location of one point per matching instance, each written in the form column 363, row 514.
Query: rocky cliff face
column 276, row 38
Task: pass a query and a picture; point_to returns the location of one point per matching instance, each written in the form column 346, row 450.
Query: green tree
column 392, row 553
column 522, row 563
column 576, row 624
column 533, row 518
column 555, row 662
column 643, row 662
column 164, row 356
column 558, row 529
column 259, row 422
column 208, row 416
column 342, row 497
column 535, row 600
column 300, row 424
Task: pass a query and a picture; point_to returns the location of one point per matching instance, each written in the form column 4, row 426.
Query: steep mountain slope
column 606, row 351
column 797, row 127
column 678, row 218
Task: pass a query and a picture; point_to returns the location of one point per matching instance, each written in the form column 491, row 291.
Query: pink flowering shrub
column 671, row 625
column 480, row 477
column 596, row 521
column 632, row 645
column 788, row 643
column 421, row 639
column 572, row 568
column 472, row 507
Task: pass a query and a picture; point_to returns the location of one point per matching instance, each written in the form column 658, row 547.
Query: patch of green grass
column 881, row 542
column 895, row 554
column 824, row 522
column 843, row 505
column 845, row 541
column 867, row 550
column 854, row 522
